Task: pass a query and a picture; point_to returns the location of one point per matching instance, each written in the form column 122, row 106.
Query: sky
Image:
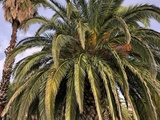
column 5, row 29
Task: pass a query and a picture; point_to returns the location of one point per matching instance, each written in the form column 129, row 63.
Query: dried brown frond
column 18, row 10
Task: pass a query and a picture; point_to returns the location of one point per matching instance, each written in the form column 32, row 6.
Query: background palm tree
column 96, row 51
column 15, row 12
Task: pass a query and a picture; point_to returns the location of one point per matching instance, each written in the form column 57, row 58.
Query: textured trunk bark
column 90, row 112
column 8, row 67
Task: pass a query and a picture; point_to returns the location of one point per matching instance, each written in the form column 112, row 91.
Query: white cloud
column 133, row 2
column 155, row 25
column 26, row 53
column 3, row 45
column 21, row 34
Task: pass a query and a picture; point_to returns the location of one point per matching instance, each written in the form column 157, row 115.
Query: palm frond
column 106, row 8
column 126, row 85
column 126, row 30
column 71, row 106
column 142, row 12
column 57, row 44
column 110, row 95
column 31, row 93
column 150, row 36
column 22, row 88
column 82, row 7
column 151, row 106
column 151, row 61
column 30, row 62
column 82, row 28
column 79, row 76
column 52, row 87
column 34, row 20
column 41, row 97
column 96, row 93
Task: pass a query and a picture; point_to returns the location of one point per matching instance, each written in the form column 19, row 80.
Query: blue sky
column 5, row 29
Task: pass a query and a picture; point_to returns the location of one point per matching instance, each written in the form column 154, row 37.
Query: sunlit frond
column 96, row 93
column 110, row 97
column 40, row 75
column 79, row 76
column 52, row 87
column 57, row 44
column 71, row 106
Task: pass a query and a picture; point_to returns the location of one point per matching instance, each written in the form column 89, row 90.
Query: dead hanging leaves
column 122, row 49
column 18, row 10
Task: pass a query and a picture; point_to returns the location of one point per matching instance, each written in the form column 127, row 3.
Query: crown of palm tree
column 92, row 43
column 18, row 10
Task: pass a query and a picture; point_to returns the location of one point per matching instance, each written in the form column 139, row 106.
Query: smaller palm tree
column 15, row 12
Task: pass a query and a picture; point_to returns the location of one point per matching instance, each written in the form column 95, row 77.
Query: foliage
column 95, row 42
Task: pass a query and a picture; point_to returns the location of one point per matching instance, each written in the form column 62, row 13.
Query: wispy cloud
column 3, row 45
column 27, row 53
column 134, row 2
column 21, row 35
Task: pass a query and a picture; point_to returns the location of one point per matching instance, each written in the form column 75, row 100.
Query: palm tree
column 15, row 12
column 97, row 51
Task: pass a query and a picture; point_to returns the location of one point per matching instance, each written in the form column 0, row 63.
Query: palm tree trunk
column 7, row 70
column 90, row 112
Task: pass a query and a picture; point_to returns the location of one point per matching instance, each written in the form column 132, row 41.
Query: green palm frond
column 79, row 76
column 95, row 89
column 31, row 62
column 61, row 11
column 43, row 28
column 147, row 53
column 150, row 36
column 82, row 7
column 70, row 9
column 71, row 106
column 59, row 6
column 125, row 86
column 106, row 8
column 82, row 28
column 41, row 95
column 37, row 40
column 56, row 25
column 126, row 30
column 52, row 86
column 28, row 43
column 149, row 101
column 57, row 45
column 142, row 12
column 30, row 94
column 110, row 95
column 35, row 20
column 40, row 75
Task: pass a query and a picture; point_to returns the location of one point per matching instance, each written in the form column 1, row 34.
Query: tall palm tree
column 15, row 12
column 96, row 53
